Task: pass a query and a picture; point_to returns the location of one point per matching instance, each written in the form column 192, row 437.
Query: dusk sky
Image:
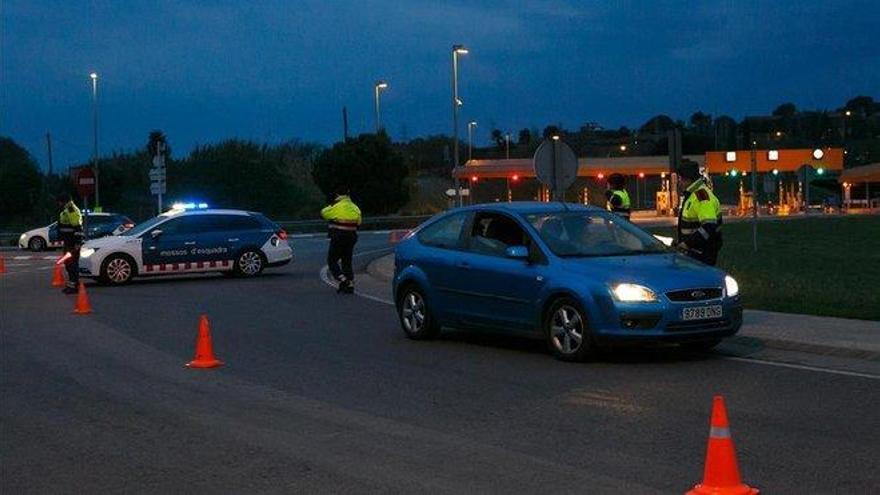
column 273, row 70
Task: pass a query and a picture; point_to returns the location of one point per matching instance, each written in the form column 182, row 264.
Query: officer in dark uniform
column 617, row 197
column 70, row 231
column 699, row 218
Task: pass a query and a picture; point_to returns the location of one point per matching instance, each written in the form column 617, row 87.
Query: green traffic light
column 820, row 171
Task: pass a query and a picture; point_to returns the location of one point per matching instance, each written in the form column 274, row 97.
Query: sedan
column 579, row 277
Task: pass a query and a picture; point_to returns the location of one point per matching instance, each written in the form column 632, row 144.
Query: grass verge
column 828, row 266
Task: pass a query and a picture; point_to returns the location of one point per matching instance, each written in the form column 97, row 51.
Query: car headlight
column 731, row 286
column 86, row 252
column 633, row 293
column 22, row 237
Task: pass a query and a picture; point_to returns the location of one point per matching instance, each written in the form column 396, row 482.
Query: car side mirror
column 156, row 233
column 517, row 252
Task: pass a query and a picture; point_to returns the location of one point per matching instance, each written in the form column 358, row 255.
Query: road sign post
column 157, row 175
column 556, row 167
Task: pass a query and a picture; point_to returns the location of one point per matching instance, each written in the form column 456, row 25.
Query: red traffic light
column 641, row 175
column 515, row 178
column 601, row 176
column 473, row 178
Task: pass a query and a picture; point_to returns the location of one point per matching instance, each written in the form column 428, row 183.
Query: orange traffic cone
column 721, row 476
column 82, row 301
column 204, row 349
column 2, row 265
column 58, row 277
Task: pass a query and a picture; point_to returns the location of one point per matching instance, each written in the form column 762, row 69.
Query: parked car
column 577, row 276
column 95, row 225
column 188, row 239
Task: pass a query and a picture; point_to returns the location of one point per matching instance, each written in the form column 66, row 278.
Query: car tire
column 415, row 315
column 567, row 330
column 37, row 244
column 117, row 269
column 701, row 345
column 249, row 263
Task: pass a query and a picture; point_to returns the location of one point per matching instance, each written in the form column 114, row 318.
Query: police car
column 189, row 238
column 95, row 225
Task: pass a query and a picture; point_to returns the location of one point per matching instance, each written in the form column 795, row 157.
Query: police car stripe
column 187, row 267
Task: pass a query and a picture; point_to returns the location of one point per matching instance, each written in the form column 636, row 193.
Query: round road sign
column 556, row 165
column 85, row 182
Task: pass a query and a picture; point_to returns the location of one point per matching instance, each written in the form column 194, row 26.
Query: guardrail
column 369, row 223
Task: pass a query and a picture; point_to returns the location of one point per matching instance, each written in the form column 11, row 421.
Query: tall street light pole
column 507, row 146
column 471, row 126
column 94, row 76
column 377, row 88
column 456, row 102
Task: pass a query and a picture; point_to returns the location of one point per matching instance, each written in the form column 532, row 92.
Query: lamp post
column 377, row 88
column 507, row 146
column 846, row 115
column 456, row 102
column 94, row 76
column 471, row 126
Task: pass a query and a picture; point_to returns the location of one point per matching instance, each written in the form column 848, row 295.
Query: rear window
column 444, row 233
column 238, row 222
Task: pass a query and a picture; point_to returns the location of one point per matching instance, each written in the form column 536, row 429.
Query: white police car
column 188, row 239
column 94, row 225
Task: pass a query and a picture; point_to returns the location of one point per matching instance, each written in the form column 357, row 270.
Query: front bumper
column 89, row 267
column 662, row 323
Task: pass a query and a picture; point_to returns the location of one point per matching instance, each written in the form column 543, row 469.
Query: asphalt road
column 323, row 393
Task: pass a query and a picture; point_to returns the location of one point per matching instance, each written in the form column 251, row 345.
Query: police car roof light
column 189, row 206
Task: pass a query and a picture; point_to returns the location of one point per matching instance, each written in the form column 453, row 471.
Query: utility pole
column 49, row 150
column 94, row 77
column 344, row 124
column 754, row 172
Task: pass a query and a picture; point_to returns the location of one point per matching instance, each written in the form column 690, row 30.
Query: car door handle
column 232, row 240
column 190, row 243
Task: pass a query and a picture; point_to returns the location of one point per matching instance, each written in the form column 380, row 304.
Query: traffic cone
column 204, row 349
column 721, row 475
column 82, row 301
column 2, row 265
column 58, row 276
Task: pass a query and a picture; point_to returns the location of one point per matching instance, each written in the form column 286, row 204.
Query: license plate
column 701, row 313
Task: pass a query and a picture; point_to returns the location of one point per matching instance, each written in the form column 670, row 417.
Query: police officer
column 70, row 231
column 343, row 218
column 617, row 197
column 699, row 219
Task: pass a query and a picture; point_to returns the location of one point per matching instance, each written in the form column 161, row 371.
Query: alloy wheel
column 413, row 312
column 119, row 270
column 567, row 329
column 250, row 263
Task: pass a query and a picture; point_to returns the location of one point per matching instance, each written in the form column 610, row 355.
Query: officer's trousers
column 340, row 252
column 72, row 264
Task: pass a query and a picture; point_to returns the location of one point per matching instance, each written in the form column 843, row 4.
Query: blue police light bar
column 189, row 206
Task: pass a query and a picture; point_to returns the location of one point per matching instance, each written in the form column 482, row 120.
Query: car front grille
column 684, row 326
column 690, row 295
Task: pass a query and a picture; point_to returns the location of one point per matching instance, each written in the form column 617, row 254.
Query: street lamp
column 377, row 88
column 94, row 76
column 507, row 146
column 456, row 102
column 471, row 126
column 623, row 148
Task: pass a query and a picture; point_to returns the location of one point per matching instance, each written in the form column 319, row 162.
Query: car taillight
column 282, row 234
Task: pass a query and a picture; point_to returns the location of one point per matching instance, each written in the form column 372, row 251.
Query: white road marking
column 325, row 276
column 802, row 367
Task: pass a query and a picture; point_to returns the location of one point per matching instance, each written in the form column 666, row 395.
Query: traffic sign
column 157, row 187
column 85, row 182
column 556, row 166
column 157, row 174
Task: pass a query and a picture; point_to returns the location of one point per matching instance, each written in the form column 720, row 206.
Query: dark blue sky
column 273, row 70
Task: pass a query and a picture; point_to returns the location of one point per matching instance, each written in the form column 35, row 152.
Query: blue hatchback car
column 578, row 276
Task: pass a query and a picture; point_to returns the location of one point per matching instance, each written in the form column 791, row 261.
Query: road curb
column 382, row 269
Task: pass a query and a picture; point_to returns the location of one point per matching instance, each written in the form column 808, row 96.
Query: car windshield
column 149, row 224
column 592, row 233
